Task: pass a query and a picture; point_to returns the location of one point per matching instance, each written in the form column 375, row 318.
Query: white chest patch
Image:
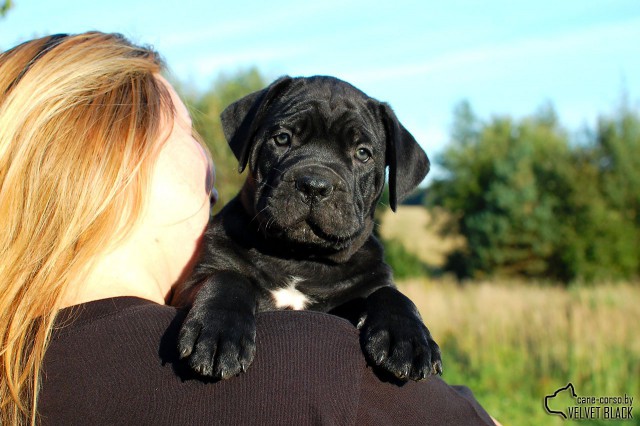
column 290, row 297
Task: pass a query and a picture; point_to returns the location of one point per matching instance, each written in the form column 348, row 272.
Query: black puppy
column 299, row 234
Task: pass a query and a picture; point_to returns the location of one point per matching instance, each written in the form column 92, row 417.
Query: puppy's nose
column 314, row 188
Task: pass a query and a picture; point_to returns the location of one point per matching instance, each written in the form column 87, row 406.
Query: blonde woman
column 104, row 195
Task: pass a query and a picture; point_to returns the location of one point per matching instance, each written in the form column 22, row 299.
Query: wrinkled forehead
column 328, row 106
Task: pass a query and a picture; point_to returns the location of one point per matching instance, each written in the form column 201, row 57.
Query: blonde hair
column 80, row 120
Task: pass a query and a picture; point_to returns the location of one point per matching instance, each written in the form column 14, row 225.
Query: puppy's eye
column 363, row 155
column 282, row 139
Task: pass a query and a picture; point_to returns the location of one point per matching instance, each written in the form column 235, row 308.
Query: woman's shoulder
column 137, row 332
column 116, row 361
column 107, row 311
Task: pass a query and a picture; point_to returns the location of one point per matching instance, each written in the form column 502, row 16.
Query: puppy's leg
column 219, row 332
column 395, row 338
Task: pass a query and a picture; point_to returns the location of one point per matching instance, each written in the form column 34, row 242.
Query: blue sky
column 422, row 57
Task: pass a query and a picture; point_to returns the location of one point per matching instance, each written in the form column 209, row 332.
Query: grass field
column 513, row 343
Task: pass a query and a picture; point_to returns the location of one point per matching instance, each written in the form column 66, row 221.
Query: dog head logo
column 563, row 397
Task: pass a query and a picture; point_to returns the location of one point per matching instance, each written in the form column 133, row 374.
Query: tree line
column 534, row 200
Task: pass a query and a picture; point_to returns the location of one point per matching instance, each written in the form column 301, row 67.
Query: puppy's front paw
column 400, row 345
column 394, row 337
column 218, row 342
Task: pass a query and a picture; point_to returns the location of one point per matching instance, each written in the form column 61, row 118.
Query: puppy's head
column 317, row 149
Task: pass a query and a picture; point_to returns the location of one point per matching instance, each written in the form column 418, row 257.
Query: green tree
column 503, row 186
column 205, row 109
column 497, row 188
column 608, row 200
column 618, row 145
column 531, row 203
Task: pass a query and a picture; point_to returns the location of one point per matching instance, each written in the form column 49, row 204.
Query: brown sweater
column 113, row 362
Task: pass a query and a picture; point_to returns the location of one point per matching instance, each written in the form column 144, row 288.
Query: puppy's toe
column 188, row 337
column 247, row 353
column 376, row 345
column 233, row 358
column 400, row 363
column 436, row 358
column 226, row 363
column 427, row 360
column 203, row 355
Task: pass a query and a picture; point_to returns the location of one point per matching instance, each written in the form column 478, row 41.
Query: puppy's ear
column 408, row 163
column 241, row 119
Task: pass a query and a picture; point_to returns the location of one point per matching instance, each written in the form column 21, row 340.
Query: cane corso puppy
column 299, row 233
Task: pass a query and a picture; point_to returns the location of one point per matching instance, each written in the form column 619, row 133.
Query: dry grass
column 513, row 343
column 418, row 229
